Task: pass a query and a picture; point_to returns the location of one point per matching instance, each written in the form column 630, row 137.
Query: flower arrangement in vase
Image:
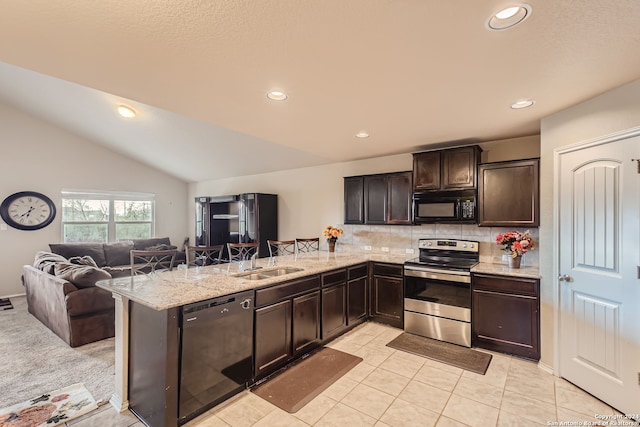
column 515, row 244
column 332, row 233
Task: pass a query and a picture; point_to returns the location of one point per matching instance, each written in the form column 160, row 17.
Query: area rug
column 34, row 360
column 49, row 409
column 451, row 354
column 297, row 385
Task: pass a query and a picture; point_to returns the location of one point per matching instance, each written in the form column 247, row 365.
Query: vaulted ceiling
column 412, row 73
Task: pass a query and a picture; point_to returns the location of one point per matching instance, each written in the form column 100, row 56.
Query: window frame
column 111, row 197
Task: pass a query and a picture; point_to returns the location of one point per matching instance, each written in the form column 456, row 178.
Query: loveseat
column 61, row 291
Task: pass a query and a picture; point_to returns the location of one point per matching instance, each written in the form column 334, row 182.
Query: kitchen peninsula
column 161, row 297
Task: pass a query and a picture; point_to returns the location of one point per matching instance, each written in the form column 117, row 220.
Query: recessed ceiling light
column 509, row 16
column 524, row 103
column 362, row 134
column 126, row 112
column 508, row 12
column 277, row 95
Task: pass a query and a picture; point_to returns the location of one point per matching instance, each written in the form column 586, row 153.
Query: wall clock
column 28, row 210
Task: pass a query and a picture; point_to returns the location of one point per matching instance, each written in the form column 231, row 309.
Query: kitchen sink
column 268, row 274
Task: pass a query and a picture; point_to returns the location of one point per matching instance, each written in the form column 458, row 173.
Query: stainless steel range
column 437, row 290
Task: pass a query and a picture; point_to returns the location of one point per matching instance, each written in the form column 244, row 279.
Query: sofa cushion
column 145, row 244
column 118, row 253
column 68, row 250
column 160, row 247
column 89, row 301
column 118, row 271
column 46, row 261
column 83, row 276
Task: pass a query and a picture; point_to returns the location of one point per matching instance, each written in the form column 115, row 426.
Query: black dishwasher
column 217, row 347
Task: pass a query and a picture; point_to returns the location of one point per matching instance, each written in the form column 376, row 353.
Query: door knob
column 564, row 278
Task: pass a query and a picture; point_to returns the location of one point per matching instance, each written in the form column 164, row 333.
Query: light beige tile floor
column 393, row 388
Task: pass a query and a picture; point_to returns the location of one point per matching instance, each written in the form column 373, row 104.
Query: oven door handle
column 428, row 273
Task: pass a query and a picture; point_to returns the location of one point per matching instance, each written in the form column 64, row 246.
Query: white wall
column 613, row 111
column 36, row 156
column 311, row 198
column 308, row 198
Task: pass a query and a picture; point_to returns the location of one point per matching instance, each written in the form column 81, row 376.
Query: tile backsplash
column 397, row 239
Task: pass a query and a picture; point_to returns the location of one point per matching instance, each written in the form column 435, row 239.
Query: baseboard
column 548, row 369
column 13, row 296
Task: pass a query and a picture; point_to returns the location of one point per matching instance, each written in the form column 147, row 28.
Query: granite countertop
column 165, row 290
column 504, row 270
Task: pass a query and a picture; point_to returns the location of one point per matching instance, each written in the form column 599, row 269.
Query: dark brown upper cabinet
column 508, row 194
column 354, row 200
column 426, row 171
column 399, row 198
column 453, row 169
column 378, row 199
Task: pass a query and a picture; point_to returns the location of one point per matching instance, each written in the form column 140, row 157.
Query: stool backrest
column 145, row 262
column 242, row 251
column 308, row 245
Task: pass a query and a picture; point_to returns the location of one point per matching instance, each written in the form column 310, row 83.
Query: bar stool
column 281, row 247
column 145, row 262
column 204, row 255
column 307, row 245
column 242, row 251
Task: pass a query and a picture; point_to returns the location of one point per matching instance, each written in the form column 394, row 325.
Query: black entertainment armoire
column 242, row 218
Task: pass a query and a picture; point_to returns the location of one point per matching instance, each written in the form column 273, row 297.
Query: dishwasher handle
column 216, row 309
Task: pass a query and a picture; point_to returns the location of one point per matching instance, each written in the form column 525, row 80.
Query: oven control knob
column 464, row 246
column 429, row 243
column 472, row 246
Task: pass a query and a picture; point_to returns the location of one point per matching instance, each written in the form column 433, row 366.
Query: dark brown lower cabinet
column 506, row 314
column 357, row 295
column 334, row 302
column 387, row 294
column 306, row 322
column 272, row 336
column 287, row 323
column 357, row 285
column 334, row 310
column 154, row 359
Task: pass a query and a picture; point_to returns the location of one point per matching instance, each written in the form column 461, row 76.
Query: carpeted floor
column 34, row 360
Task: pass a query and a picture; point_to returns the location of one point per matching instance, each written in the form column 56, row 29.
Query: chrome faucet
column 253, row 260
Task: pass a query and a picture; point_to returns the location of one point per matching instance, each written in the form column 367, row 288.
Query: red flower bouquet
column 515, row 243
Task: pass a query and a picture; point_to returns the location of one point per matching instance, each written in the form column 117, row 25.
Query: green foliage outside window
column 104, row 220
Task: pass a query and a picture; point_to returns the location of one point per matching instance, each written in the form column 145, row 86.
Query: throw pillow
column 46, row 261
column 118, row 253
column 68, row 250
column 83, row 260
column 141, row 244
column 83, row 276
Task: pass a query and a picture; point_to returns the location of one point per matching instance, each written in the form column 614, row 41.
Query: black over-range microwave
column 444, row 207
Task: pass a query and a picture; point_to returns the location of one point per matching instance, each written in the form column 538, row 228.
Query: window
column 106, row 216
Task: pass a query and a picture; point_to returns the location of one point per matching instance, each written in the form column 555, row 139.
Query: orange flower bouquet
column 332, row 233
column 516, row 243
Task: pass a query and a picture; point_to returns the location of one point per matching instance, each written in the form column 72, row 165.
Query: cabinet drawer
column 358, row 271
column 333, row 277
column 392, row 270
column 286, row 290
column 510, row 285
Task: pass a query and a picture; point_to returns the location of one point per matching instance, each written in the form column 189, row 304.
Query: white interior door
column 599, row 232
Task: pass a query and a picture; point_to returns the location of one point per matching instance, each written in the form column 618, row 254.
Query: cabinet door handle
column 565, row 278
